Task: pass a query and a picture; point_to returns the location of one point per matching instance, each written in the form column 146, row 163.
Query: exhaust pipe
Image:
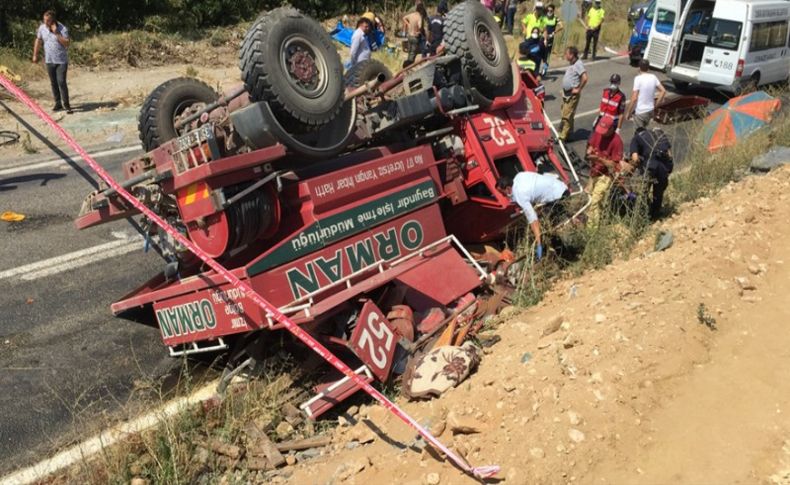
column 366, row 88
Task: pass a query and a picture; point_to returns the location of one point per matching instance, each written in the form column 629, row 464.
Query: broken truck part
column 353, row 215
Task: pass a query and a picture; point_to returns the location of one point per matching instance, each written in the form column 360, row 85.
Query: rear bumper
column 680, row 77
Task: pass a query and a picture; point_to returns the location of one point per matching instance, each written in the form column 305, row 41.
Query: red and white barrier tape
column 271, row 311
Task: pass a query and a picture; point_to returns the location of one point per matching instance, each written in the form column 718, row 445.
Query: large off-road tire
column 472, row 34
column 163, row 106
column 288, row 61
column 365, row 71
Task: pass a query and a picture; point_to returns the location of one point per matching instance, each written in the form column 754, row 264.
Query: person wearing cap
column 612, row 102
column 360, row 47
column 595, row 17
column 573, row 83
column 643, row 97
column 375, row 20
column 553, row 25
column 436, row 29
column 532, row 20
column 532, row 52
column 528, row 189
column 604, row 149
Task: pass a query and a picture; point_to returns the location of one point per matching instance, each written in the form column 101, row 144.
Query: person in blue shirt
column 528, row 189
column 360, row 47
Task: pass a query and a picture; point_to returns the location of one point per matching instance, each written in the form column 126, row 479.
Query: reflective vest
column 526, row 65
column 612, row 103
column 550, row 24
column 595, row 17
column 531, row 21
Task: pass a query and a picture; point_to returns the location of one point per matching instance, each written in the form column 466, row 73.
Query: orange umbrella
column 738, row 118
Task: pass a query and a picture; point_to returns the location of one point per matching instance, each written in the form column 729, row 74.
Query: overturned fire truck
column 348, row 201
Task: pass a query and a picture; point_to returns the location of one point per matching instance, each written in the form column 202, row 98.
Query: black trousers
column 60, row 90
column 659, row 180
column 592, row 35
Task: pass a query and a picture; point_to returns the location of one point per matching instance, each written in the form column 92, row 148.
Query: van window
column 725, row 34
column 768, row 35
column 666, row 16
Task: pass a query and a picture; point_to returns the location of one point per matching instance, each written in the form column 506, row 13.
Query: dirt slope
column 629, row 387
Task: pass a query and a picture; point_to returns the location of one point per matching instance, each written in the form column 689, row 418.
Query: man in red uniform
column 612, row 103
column 605, row 149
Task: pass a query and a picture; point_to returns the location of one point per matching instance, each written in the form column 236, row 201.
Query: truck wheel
column 165, row 104
column 366, row 71
column 681, row 86
column 472, row 34
column 288, row 61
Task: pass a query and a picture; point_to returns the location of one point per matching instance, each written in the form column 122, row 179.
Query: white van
column 726, row 44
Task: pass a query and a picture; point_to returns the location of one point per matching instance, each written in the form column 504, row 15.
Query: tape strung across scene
column 271, row 311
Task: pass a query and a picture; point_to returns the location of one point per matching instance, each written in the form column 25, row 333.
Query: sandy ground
column 613, row 379
column 106, row 104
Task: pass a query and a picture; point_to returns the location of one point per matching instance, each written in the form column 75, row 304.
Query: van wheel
column 749, row 85
column 681, row 86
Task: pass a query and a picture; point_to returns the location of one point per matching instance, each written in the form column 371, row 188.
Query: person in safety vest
column 532, row 53
column 552, row 25
column 532, row 20
column 612, row 103
column 594, row 21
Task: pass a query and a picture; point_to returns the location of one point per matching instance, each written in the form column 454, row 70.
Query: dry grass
column 615, row 233
column 176, row 452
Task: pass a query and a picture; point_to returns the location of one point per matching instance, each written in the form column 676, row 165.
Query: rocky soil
column 668, row 367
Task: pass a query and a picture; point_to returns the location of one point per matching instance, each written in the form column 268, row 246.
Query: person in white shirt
column 360, row 48
column 528, row 189
column 643, row 97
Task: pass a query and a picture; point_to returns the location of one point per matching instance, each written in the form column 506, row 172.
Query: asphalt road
column 64, row 359
column 599, row 72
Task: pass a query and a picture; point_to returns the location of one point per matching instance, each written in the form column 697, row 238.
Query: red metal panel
column 205, row 315
column 229, row 164
column 438, row 281
column 360, row 182
column 374, row 340
column 318, row 269
column 333, row 397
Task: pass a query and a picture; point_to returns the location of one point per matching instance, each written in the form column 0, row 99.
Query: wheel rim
column 304, row 67
column 487, row 43
column 184, row 107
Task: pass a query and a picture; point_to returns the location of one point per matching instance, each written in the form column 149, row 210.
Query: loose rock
column 575, row 435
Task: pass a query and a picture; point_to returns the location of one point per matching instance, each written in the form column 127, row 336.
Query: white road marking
column 561, row 69
column 578, row 115
column 84, row 261
column 60, row 161
column 74, row 259
column 84, row 450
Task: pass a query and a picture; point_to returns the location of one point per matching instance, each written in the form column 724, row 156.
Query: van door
column 721, row 61
column 662, row 32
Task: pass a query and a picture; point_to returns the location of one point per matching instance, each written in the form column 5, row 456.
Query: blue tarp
column 343, row 35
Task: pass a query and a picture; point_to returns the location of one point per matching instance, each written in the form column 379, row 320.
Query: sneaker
column 584, row 58
column 69, row 110
column 57, row 108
